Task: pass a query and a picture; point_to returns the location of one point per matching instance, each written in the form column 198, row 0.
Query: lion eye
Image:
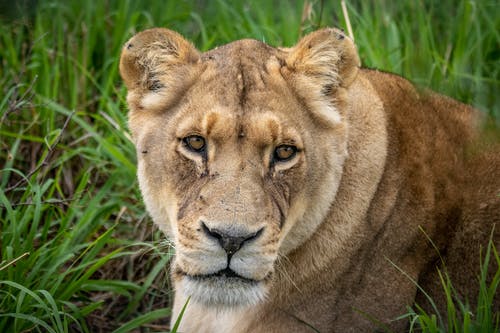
column 195, row 143
column 284, row 153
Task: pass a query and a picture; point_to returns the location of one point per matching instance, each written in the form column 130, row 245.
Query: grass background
column 78, row 251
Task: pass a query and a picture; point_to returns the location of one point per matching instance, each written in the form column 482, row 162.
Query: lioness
column 300, row 190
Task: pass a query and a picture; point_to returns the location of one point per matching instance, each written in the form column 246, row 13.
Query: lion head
column 240, row 151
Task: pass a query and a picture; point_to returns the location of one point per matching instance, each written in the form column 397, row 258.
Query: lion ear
column 320, row 64
column 156, row 64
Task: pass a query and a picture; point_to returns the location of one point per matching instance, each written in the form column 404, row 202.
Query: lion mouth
column 224, row 288
column 226, row 273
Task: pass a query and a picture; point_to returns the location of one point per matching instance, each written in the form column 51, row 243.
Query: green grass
column 460, row 315
column 78, row 252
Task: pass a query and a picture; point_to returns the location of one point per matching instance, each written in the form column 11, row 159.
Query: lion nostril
column 255, row 235
column 209, row 232
column 231, row 244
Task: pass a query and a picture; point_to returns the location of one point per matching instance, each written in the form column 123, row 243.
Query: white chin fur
column 223, row 292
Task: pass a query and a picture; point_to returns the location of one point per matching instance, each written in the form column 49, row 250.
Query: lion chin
column 224, row 290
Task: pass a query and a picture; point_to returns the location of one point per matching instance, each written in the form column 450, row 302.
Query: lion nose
column 230, row 243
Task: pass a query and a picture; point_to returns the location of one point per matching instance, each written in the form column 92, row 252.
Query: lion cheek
column 160, row 201
column 308, row 211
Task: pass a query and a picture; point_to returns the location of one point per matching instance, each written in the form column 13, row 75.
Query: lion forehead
column 242, row 73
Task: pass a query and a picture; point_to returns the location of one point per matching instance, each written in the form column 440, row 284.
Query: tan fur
column 380, row 166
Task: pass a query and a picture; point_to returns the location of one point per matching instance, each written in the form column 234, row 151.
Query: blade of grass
column 143, row 319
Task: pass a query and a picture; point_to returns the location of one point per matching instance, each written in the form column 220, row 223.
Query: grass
column 460, row 316
column 78, row 252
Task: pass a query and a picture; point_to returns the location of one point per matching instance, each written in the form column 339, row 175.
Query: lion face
column 236, row 160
